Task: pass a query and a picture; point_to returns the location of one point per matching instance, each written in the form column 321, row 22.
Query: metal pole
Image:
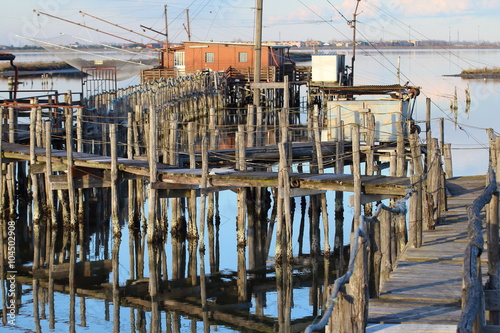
column 166, row 38
column 353, row 26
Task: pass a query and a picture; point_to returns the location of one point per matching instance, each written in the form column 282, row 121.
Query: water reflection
column 90, row 276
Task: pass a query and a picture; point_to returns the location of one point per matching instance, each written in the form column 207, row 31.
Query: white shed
column 385, row 112
column 327, row 67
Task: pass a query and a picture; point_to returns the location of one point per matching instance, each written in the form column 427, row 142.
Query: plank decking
column 423, row 293
column 173, row 177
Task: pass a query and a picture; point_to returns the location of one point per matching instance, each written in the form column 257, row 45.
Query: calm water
column 423, row 68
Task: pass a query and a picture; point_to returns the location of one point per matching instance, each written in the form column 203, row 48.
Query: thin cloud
column 299, row 14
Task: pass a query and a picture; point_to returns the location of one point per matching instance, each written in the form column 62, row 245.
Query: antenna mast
column 352, row 24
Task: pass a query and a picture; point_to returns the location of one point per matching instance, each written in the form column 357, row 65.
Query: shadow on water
column 69, row 277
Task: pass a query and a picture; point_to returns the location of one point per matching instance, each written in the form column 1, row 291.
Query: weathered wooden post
column 448, row 162
column 11, row 173
column 493, row 285
column 419, row 171
column 359, row 280
column 130, row 135
column 114, row 180
column 400, row 148
column 339, row 200
column 351, row 311
column 241, row 219
column 152, row 201
column 250, row 126
column 261, row 127
column 434, row 180
column 69, row 157
column 33, row 160
column 203, row 200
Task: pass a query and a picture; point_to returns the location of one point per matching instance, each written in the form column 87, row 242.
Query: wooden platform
column 170, row 177
column 425, row 288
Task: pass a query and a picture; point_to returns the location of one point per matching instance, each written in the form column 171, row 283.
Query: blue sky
column 229, row 20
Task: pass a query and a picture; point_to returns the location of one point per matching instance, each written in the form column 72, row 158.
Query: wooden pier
column 424, row 291
column 172, row 145
column 171, row 177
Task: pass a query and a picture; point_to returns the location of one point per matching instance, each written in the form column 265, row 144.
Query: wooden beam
column 59, row 182
column 367, row 198
column 267, row 85
column 302, row 192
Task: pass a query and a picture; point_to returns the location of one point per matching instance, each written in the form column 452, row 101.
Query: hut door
column 179, row 63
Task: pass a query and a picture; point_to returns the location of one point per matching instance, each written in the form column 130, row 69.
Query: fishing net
column 85, row 55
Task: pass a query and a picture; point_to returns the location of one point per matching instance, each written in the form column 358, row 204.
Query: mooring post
column 48, row 173
column 34, row 178
column 130, row 135
column 419, row 171
column 261, row 127
column 152, row 201
column 493, row 237
column 174, row 149
column 436, row 177
column 152, row 159
column 114, row 180
column 69, row 157
column 420, row 204
column 203, row 201
column 413, row 228
column 251, row 125
column 212, row 126
column 400, row 148
column 191, row 144
column 428, row 133
column 448, row 162
column 12, row 125
column 359, row 278
column 338, row 246
column 241, row 219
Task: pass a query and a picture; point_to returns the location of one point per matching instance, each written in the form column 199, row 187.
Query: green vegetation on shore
column 481, row 71
column 36, row 66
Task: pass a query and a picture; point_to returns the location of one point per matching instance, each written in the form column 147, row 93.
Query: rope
column 400, row 209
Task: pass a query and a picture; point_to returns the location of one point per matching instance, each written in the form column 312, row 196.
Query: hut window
column 242, row 56
column 209, row 57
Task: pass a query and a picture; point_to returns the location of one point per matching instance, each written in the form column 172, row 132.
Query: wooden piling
column 130, row 135
column 493, row 239
column 250, row 126
column 70, row 166
column 114, row 181
column 241, row 219
column 34, row 178
column 448, row 164
column 339, row 202
column 48, row 173
column 400, row 148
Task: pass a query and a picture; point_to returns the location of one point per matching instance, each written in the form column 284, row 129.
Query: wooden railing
column 268, row 73
column 476, row 300
column 156, row 73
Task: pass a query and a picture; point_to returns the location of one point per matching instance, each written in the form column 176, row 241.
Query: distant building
column 313, row 43
column 219, row 56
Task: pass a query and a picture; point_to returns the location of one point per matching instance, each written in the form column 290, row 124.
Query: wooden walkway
column 170, row 177
column 423, row 293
